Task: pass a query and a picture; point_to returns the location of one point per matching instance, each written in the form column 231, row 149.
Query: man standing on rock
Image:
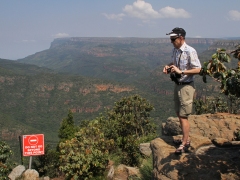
column 185, row 64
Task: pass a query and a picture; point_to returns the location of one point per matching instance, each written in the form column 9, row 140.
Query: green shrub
column 131, row 154
column 86, row 155
column 128, row 124
column 67, row 128
column 210, row 105
column 120, row 132
column 5, row 153
column 146, row 170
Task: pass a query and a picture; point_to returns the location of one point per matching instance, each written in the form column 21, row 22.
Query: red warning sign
column 33, row 145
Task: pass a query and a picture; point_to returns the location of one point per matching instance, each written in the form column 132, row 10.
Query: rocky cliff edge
column 214, row 154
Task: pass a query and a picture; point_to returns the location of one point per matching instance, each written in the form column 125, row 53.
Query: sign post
column 33, row 145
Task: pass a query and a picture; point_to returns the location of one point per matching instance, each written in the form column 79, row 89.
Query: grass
column 146, row 169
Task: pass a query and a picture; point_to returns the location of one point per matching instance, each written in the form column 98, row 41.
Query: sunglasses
column 173, row 39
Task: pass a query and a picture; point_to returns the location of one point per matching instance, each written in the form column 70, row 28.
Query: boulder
column 16, row 172
column 30, row 174
column 145, row 149
column 123, row 172
column 172, row 127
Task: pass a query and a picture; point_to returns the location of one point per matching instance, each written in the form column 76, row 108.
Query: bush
column 146, row 170
column 127, row 124
column 210, row 105
column 5, row 153
column 86, row 155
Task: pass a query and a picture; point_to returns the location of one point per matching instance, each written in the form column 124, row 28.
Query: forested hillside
column 35, row 100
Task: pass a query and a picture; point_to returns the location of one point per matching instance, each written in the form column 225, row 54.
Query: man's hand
column 165, row 69
column 175, row 69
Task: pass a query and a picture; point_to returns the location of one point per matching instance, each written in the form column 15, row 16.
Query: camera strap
column 178, row 63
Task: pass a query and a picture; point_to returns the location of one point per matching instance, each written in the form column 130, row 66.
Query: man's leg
column 185, row 126
column 185, row 129
column 185, row 95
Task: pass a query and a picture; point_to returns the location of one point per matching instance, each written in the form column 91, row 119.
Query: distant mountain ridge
column 227, row 44
column 127, row 40
column 231, row 38
column 122, row 59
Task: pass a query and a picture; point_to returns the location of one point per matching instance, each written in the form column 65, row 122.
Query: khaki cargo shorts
column 183, row 99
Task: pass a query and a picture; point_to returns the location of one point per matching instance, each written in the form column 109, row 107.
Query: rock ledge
column 214, row 153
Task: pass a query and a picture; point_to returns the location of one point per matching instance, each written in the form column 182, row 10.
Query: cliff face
column 112, row 40
column 117, row 47
column 214, row 153
column 229, row 45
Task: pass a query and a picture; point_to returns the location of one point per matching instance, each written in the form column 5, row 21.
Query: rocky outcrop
column 221, row 125
column 113, row 88
column 213, row 153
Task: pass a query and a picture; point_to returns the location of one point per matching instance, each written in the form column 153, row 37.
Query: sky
column 29, row 26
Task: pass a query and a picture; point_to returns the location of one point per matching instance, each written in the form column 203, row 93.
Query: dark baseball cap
column 177, row 32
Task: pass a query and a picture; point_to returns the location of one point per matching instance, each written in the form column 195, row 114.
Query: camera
column 169, row 70
column 174, row 77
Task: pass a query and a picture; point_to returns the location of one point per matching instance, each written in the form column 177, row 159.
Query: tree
column 229, row 78
column 131, row 115
column 215, row 68
column 128, row 123
column 67, row 129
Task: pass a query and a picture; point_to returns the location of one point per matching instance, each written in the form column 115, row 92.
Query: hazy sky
column 29, row 26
